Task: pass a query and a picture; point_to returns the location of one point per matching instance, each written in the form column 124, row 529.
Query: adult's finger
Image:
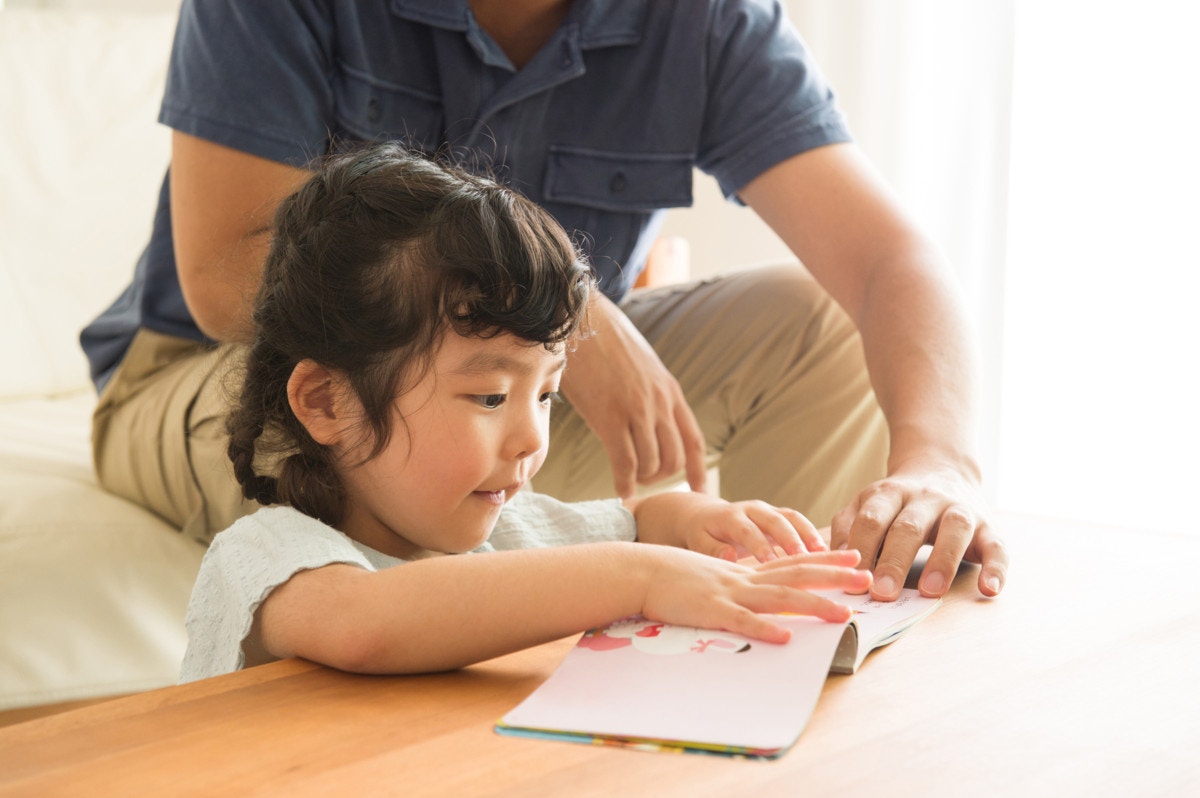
column 903, row 539
column 955, row 530
column 695, row 450
column 870, row 523
column 990, row 552
column 623, row 458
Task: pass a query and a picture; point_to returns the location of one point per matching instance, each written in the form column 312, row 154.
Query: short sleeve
column 767, row 99
column 533, row 520
column 253, row 76
column 242, row 566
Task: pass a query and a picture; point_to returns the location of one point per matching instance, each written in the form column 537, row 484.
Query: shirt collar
column 602, row 23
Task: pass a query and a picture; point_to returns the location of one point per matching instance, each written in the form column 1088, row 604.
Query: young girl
column 411, row 330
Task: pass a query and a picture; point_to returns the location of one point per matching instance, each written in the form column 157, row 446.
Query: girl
column 411, row 330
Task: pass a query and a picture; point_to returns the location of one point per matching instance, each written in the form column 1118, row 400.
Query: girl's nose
column 530, row 432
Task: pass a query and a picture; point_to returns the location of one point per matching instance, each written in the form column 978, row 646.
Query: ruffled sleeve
column 242, row 566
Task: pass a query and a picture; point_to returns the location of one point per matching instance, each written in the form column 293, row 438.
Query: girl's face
column 465, row 439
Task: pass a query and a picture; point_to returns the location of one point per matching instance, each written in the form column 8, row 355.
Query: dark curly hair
column 371, row 262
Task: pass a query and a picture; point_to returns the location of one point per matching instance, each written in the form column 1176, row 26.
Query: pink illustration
column 653, row 637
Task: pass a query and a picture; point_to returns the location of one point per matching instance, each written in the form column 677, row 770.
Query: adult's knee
column 789, row 307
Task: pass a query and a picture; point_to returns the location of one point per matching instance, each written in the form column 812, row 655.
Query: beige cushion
column 92, row 589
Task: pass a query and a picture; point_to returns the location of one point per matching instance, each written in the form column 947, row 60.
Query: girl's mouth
column 496, row 497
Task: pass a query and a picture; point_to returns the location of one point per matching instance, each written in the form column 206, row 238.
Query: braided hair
column 371, row 262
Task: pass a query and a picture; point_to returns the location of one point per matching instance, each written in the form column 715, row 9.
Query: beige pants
column 771, row 366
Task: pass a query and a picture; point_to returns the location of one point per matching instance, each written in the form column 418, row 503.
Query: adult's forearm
column 839, row 217
column 922, row 361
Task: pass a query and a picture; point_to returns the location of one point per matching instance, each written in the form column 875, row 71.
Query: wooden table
column 1080, row 680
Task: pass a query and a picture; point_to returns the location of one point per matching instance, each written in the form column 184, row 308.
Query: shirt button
column 618, row 183
column 373, row 112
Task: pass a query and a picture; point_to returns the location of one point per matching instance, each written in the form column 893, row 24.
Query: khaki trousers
column 771, row 366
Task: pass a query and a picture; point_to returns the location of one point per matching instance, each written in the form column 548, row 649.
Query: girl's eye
column 550, row 397
column 492, row 400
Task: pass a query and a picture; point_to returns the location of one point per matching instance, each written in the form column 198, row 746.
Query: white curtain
column 926, row 85
column 1053, row 148
column 1101, row 368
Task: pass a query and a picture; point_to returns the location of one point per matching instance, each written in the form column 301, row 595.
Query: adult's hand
column 922, row 502
column 628, row 398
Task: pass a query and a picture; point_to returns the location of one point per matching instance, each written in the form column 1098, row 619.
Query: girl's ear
column 321, row 401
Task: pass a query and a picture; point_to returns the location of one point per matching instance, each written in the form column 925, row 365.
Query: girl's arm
column 729, row 530
column 450, row 611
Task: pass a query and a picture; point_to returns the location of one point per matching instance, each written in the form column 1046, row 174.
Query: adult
column 598, row 110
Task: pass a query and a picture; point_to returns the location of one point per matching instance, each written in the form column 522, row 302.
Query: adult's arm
column 222, row 204
column 842, row 222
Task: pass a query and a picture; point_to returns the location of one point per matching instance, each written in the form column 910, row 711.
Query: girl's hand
column 728, row 530
column 690, row 590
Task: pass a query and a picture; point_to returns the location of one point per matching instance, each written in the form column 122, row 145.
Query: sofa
column 92, row 588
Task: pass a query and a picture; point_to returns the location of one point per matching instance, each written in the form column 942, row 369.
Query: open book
column 662, row 687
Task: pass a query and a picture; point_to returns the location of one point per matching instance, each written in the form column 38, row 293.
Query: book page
column 643, row 682
column 649, row 681
column 878, row 623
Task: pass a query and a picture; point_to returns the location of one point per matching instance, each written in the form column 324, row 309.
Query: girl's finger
column 845, row 558
column 798, row 602
column 737, row 529
column 747, row 623
column 807, row 531
column 771, row 522
column 816, row 577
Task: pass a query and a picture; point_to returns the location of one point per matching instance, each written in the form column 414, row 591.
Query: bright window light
column 1102, row 302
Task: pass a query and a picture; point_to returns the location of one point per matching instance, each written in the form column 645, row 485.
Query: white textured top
column 263, row 551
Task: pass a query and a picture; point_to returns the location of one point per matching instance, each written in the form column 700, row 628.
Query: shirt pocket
column 373, row 108
column 618, row 181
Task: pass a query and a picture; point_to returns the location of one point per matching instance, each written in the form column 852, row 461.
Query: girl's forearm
column 450, row 611
column 659, row 516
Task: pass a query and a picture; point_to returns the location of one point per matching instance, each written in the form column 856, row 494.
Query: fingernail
column 934, row 583
column 843, row 546
column 885, row 585
column 993, row 584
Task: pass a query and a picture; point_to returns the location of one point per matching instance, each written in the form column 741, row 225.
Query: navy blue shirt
column 602, row 127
